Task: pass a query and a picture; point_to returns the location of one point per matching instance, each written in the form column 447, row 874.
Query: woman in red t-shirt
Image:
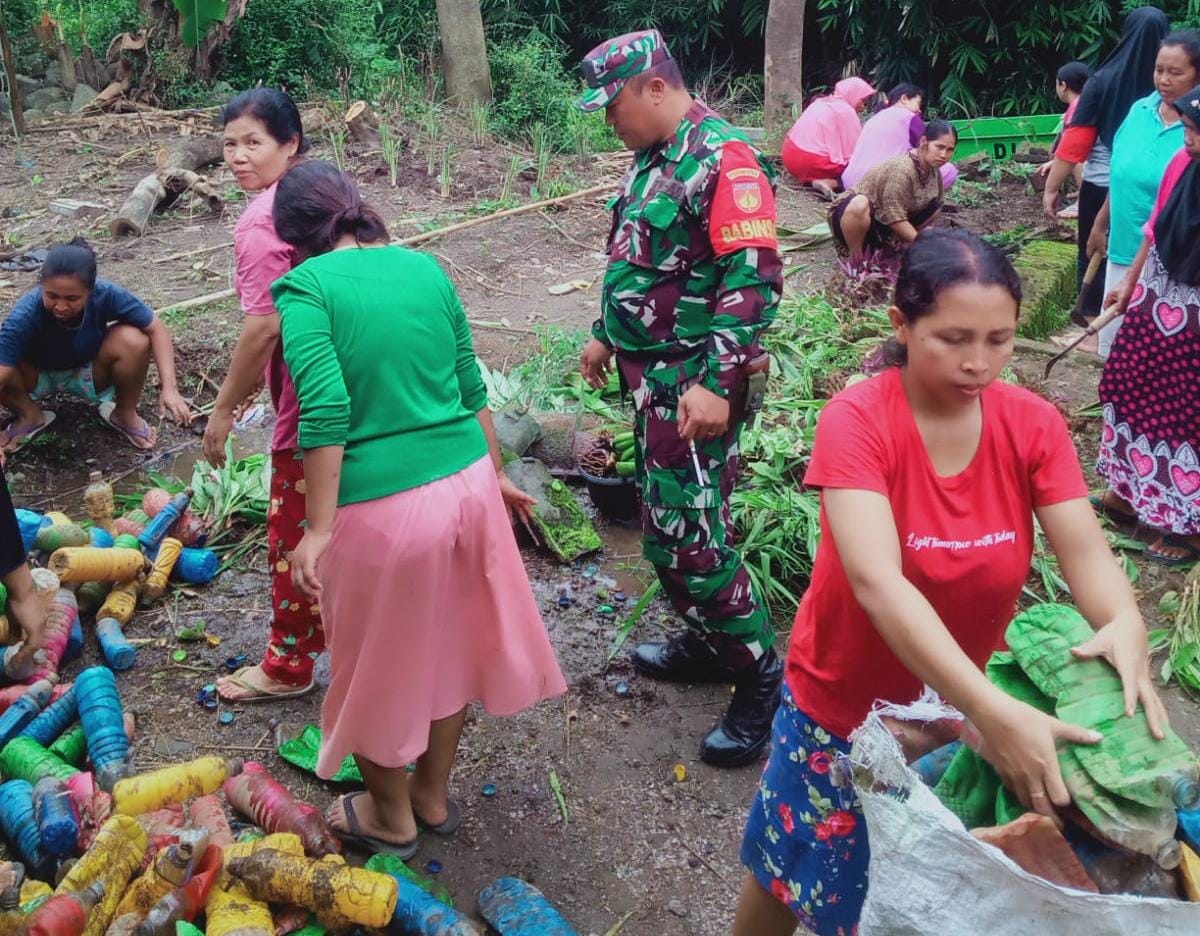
column 930, row 474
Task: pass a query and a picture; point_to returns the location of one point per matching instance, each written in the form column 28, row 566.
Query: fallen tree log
column 134, row 215
column 188, row 155
column 178, row 181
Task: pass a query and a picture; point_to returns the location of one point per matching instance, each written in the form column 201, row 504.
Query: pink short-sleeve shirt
column 261, row 258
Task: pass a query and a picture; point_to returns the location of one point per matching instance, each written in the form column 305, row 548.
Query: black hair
column 936, row 129
column 906, row 89
column 73, row 259
column 668, row 71
column 939, row 259
column 1074, row 75
column 274, row 108
column 316, row 205
column 1189, row 40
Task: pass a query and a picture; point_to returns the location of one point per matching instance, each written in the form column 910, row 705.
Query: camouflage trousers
column 688, row 537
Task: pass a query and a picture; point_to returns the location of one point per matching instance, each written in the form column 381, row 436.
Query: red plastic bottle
column 64, row 915
column 255, row 793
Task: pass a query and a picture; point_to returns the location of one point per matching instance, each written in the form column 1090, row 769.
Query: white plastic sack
column 930, row 877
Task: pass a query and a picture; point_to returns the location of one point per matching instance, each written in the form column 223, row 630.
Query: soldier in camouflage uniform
column 693, row 279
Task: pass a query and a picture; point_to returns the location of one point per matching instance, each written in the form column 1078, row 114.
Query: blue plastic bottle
column 422, row 914
column 103, row 722
column 1189, row 827
column 56, row 821
column 24, row 710
column 100, row 537
column 931, row 766
column 30, row 521
column 74, row 646
column 195, row 566
column 18, row 823
column 54, row 719
column 119, row 653
column 157, row 528
column 515, row 908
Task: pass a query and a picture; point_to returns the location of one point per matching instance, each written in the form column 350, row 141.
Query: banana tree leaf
column 196, row 17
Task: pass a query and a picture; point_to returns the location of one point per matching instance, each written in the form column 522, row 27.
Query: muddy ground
column 637, row 851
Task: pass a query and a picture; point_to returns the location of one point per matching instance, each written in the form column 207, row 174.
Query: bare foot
column 368, row 820
column 1174, row 550
column 250, row 682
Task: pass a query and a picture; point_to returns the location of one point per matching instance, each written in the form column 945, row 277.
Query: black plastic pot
column 616, row 498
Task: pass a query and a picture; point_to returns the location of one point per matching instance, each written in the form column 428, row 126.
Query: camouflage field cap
column 612, row 63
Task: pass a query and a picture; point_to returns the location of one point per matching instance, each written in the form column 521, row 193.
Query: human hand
column 172, row 404
column 1044, row 169
column 220, row 422
column 516, row 501
column 702, row 414
column 1097, row 242
column 595, row 363
column 1119, row 296
column 1050, row 203
column 304, row 563
column 1123, row 644
column 1021, row 743
column 251, row 398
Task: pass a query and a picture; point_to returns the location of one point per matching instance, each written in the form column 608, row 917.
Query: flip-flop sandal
column 22, row 439
column 1117, row 516
column 1191, row 553
column 449, row 826
column 238, row 678
column 132, row 436
column 354, row 836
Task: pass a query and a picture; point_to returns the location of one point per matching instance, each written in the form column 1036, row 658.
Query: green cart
column 998, row 137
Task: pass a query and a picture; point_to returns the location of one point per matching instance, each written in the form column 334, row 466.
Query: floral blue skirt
column 806, row 839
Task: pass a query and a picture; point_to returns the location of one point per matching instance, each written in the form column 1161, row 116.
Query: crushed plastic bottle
column 272, row 807
column 145, row 792
column 514, row 908
column 98, row 501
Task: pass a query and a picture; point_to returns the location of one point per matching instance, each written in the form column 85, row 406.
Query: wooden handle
column 1093, row 268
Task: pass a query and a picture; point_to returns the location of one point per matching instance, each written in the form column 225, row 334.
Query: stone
column 44, row 98
column 516, row 431
column 53, row 74
column 84, row 95
column 73, row 208
column 34, row 64
column 676, row 907
column 28, row 85
column 33, row 115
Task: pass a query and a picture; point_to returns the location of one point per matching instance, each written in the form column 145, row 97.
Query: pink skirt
column 427, row 608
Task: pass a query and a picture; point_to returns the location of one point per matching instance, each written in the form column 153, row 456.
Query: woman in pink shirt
column 263, row 138
column 820, row 143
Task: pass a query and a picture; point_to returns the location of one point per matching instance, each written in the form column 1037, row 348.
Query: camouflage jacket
column 694, row 274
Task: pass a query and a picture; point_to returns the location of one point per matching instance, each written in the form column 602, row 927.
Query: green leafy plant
column 196, row 17
column 337, row 143
column 239, row 489
column 389, row 145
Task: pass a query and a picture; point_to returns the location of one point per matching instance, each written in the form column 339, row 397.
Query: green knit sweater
column 380, row 352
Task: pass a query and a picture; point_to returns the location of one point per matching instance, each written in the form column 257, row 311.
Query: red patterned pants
column 297, row 636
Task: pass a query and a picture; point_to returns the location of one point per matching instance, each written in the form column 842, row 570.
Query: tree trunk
column 781, row 69
column 190, row 154
column 362, row 123
column 464, row 52
column 10, row 70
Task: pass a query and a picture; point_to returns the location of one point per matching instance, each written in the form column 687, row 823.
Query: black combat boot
column 685, row 658
column 745, row 728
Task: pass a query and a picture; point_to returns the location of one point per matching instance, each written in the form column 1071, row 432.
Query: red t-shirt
column 966, row 541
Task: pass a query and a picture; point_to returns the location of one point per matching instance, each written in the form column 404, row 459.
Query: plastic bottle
column 93, row 807
column 208, row 813
column 12, row 876
column 58, row 518
column 65, row 914
column 1183, row 789
column 121, row 602
column 174, row 784
column 57, row 825
column 54, row 718
column 101, row 714
column 170, row 869
column 337, row 893
column 118, row 652
column 422, row 914
column 60, row 621
column 931, row 767
column 18, row 822
column 154, row 500
column 98, row 501
column 272, row 807
column 286, row 842
column 93, row 564
column 133, row 522
column 22, row 711
column 45, row 586
column 126, row 541
column 27, row 760
column 70, row 746
column 1189, row 826
column 30, row 521
column 157, row 528
column 164, row 563
column 91, row 595
column 1118, row 870
column 514, row 908
column 74, row 647
column 184, row 902
column 56, row 537
column 100, row 538
column 190, row 529
column 119, row 845
column 196, row 566
column 231, row 911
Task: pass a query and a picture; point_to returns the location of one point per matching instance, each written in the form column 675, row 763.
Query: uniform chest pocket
column 657, row 234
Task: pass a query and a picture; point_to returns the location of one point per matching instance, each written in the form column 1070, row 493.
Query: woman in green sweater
column 409, row 543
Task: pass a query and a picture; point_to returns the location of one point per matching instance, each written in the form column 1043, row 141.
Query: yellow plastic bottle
column 149, row 791
column 34, row 889
column 170, row 869
column 121, row 842
column 121, row 602
column 340, row 896
column 98, row 499
column 93, row 564
column 287, row 842
column 1189, row 871
column 58, row 518
column 231, row 911
column 164, row 562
